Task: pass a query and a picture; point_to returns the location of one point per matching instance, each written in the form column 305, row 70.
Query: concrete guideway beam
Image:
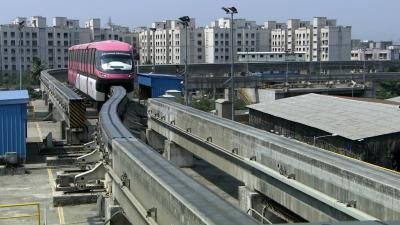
column 167, row 194
column 306, row 202
column 348, row 182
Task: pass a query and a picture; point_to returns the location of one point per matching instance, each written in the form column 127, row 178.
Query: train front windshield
column 115, row 62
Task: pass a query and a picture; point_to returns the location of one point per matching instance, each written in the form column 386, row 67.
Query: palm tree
column 36, row 69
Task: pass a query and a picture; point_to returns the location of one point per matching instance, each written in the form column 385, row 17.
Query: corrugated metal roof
column 348, row 118
column 14, row 97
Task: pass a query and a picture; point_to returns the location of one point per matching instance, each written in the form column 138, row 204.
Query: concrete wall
column 377, row 192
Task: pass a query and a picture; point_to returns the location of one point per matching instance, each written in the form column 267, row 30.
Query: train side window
column 91, row 61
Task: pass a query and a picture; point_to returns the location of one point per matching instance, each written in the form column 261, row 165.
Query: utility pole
column 185, row 21
column 232, row 10
column 154, row 49
column 20, row 26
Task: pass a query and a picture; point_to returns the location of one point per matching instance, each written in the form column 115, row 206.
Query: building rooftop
column 348, row 118
column 14, row 97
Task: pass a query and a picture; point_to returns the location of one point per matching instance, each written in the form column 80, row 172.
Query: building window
column 5, row 34
column 12, row 34
column 50, row 43
column 34, row 35
column 50, row 35
column 199, row 57
column 65, row 35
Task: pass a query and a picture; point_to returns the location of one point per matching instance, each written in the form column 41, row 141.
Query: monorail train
column 94, row 67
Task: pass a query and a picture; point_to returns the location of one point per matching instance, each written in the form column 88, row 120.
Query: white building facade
column 19, row 47
column 165, row 43
column 247, row 37
column 319, row 40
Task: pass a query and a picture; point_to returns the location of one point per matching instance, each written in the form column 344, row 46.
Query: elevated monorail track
column 149, row 188
column 69, row 104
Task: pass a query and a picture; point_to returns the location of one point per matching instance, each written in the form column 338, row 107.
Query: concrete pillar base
column 74, row 137
column 155, row 140
column 177, row 155
column 249, row 199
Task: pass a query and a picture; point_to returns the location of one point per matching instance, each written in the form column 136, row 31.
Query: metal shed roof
column 14, row 97
column 348, row 118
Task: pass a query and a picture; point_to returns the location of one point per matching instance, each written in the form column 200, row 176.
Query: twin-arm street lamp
column 231, row 10
column 185, row 21
column 21, row 25
column 154, row 48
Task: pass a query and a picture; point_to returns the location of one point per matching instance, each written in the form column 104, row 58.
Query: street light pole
column 185, row 21
column 232, row 10
column 20, row 26
column 364, row 66
column 154, row 49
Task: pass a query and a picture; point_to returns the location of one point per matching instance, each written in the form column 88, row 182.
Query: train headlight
column 103, row 75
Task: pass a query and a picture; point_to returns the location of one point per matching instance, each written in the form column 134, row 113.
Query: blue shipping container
column 159, row 83
column 13, row 124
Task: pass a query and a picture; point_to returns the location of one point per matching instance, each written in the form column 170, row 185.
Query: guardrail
column 69, row 103
column 37, row 204
column 148, row 187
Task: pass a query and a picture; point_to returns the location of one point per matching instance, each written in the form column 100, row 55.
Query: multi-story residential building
column 319, row 40
column 278, row 32
column 247, row 37
column 370, row 50
column 205, row 45
column 165, row 42
column 19, row 45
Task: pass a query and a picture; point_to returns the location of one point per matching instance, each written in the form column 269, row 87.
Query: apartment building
column 379, row 51
column 19, row 45
column 319, row 40
column 247, row 37
column 165, row 43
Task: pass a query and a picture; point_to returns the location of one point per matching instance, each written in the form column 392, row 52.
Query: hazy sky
column 370, row 19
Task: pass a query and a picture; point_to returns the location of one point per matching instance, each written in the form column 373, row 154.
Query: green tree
column 36, row 69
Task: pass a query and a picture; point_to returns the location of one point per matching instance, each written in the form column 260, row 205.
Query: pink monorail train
column 94, row 67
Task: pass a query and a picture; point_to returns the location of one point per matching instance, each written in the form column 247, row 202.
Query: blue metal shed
column 155, row 85
column 13, row 124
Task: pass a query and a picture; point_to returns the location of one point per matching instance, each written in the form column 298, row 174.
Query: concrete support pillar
column 63, row 129
column 74, row 137
column 227, row 93
column 370, row 91
column 113, row 213
column 177, row 155
column 223, row 108
column 249, row 199
column 155, row 140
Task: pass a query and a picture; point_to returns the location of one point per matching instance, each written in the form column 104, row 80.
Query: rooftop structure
column 351, row 119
